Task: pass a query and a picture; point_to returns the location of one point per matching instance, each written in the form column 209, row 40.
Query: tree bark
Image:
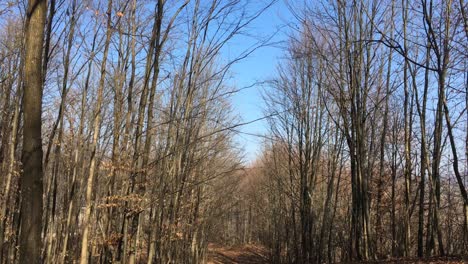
column 31, row 180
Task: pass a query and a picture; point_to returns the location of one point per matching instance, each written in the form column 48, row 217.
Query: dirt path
column 251, row 254
column 247, row 254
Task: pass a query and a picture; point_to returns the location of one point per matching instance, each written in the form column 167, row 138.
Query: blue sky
column 258, row 67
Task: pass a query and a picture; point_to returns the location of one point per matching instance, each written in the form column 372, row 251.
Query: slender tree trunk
column 380, row 187
column 407, row 137
column 76, row 156
column 96, row 133
column 393, row 209
column 11, row 167
column 424, row 156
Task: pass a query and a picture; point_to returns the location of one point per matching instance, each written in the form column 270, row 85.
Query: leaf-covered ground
column 247, row 254
column 433, row 260
column 251, row 254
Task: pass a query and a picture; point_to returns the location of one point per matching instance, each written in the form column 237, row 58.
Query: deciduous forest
column 118, row 133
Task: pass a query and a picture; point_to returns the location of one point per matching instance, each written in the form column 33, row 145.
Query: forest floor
column 251, row 254
column 432, row 260
column 245, row 254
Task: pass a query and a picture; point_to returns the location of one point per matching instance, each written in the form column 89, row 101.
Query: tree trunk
column 31, row 180
column 96, row 133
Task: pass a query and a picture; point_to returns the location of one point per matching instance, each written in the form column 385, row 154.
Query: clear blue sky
column 258, row 67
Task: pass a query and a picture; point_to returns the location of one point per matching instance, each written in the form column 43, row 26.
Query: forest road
column 245, row 254
column 252, row 254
